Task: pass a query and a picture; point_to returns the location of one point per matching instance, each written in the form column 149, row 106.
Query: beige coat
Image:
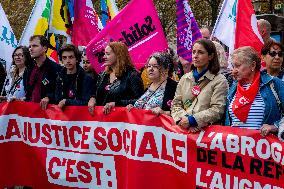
column 208, row 107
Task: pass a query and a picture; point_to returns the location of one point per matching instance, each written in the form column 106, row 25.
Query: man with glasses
column 272, row 55
column 39, row 77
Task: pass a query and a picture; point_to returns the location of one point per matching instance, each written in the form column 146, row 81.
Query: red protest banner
column 60, row 149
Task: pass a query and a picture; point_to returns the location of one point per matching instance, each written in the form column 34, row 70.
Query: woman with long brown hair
column 120, row 84
column 200, row 97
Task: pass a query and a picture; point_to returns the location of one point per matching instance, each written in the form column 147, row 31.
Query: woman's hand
column 157, row 111
column 184, row 124
column 91, row 105
column 44, row 102
column 61, row 104
column 193, row 129
column 108, row 107
column 129, row 107
column 266, row 129
column 3, row 98
column 11, row 99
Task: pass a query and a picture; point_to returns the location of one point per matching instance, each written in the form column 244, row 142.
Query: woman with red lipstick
column 120, row 84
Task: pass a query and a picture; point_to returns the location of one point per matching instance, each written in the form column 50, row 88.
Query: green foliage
column 18, row 13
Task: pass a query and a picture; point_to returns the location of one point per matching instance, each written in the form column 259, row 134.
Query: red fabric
column 247, row 33
column 35, row 81
column 244, row 98
column 218, row 157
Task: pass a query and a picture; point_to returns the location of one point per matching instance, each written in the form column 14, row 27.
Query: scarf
column 244, row 98
column 197, row 75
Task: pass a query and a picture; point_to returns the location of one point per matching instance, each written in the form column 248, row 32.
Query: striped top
column 255, row 116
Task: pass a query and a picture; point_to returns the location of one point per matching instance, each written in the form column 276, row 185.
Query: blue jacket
column 272, row 114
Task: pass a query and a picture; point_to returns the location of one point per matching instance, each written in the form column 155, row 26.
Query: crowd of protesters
column 195, row 94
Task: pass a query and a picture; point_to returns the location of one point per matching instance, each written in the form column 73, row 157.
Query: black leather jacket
column 125, row 90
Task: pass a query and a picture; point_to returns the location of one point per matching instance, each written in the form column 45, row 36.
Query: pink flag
column 138, row 26
column 247, row 33
column 85, row 26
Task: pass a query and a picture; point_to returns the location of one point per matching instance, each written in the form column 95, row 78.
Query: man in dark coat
column 73, row 85
column 39, row 77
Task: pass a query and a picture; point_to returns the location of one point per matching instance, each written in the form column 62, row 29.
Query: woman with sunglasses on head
column 15, row 90
column 200, row 97
column 161, row 91
column 252, row 99
column 272, row 55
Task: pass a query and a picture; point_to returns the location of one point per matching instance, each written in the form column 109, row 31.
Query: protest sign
column 70, row 148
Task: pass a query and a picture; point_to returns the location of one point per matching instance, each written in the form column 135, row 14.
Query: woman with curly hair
column 161, row 91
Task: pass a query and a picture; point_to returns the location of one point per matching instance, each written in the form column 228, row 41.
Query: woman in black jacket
column 162, row 89
column 120, row 84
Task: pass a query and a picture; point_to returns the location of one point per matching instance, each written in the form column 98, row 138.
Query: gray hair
column 247, row 55
column 264, row 24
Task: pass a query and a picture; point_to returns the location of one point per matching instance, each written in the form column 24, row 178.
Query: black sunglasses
column 273, row 54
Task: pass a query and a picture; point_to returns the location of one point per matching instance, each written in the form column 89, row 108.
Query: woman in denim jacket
column 251, row 102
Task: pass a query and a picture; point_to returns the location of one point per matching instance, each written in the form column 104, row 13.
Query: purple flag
column 187, row 30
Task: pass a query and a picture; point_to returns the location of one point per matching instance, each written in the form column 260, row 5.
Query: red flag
column 247, row 33
column 85, row 26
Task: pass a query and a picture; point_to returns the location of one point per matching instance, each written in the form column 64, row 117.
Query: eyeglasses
column 86, row 62
column 274, row 53
column 18, row 55
column 155, row 66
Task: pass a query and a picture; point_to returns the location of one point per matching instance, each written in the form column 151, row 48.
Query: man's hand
column 44, row 102
column 61, row 104
column 91, row 105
